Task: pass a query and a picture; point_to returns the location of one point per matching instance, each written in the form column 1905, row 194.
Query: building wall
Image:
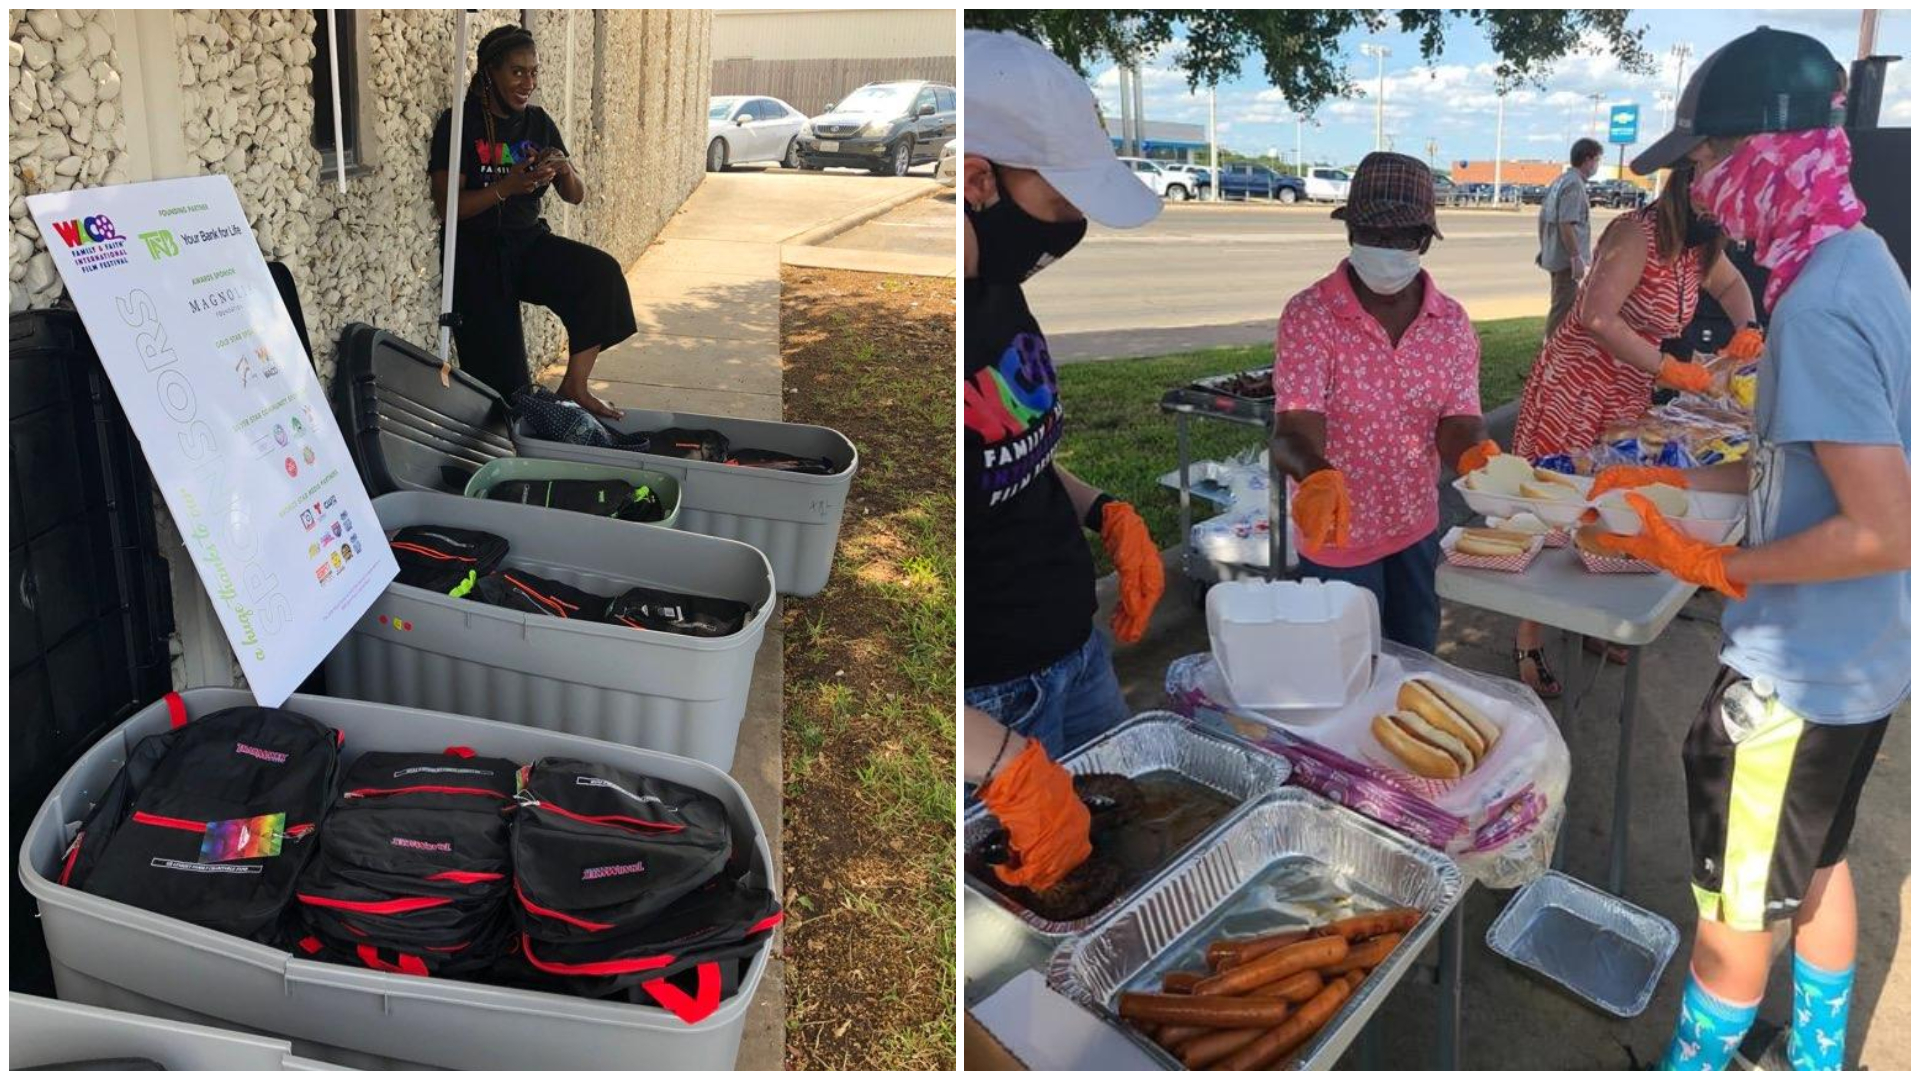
column 244, row 83
column 817, row 34
column 102, row 97
column 1511, row 172
column 811, row 58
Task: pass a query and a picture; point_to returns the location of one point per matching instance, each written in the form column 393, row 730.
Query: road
column 1209, row 275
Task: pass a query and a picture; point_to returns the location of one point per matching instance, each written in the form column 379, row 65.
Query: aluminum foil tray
column 1605, row 951
column 1153, row 742
column 1291, row 860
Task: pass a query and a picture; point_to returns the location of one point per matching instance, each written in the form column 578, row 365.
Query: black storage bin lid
column 407, row 431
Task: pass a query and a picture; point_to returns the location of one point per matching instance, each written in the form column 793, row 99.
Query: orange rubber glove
column 1477, row 457
column 1660, row 544
column 1046, row 822
column 1322, row 510
column 1625, row 477
column 1693, row 378
column 1747, row 343
column 1136, row 558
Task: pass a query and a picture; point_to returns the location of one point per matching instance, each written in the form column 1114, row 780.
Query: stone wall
column 66, row 128
column 635, row 121
column 637, row 131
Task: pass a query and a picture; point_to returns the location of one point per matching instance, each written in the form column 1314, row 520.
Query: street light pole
column 1499, row 134
column 1593, row 119
column 1213, row 148
column 1299, row 162
column 1379, row 54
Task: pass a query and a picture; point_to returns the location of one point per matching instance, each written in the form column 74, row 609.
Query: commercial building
column 1165, row 141
column 810, row 58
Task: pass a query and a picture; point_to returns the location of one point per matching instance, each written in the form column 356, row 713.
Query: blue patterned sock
column 1709, row 1031
column 1820, row 1000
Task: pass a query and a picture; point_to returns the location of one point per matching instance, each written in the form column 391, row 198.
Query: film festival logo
column 93, row 242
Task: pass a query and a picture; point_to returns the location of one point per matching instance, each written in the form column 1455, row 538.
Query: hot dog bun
column 1397, row 733
column 1469, row 544
column 1550, row 492
column 1548, row 476
column 1419, row 698
column 1488, row 730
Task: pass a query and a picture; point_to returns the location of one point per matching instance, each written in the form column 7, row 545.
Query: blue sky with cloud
column 1451, row 100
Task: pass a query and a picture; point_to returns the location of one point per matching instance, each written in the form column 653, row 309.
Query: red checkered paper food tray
column 1512, row 564
column 1602, row 564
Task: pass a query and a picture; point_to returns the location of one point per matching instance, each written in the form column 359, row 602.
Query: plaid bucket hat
column 1390, row 191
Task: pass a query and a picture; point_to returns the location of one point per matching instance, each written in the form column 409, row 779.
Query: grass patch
column 1119, row 440
column 869, row 737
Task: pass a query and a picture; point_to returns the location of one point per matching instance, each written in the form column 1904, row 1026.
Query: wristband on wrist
column 497, row 197
column 1096, row 513
column 1006, row 736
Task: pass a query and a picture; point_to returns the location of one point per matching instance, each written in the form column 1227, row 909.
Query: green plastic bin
column 521, row 468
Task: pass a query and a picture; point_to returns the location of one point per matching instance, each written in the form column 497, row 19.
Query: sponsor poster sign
column 229, row 413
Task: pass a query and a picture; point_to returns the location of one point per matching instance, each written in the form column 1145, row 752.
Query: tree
column 1301, row 48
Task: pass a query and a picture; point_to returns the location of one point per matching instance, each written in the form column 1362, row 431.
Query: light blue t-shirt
column 1835, row 370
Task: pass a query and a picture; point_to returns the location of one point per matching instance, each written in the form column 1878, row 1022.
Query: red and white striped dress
column 1577, row 389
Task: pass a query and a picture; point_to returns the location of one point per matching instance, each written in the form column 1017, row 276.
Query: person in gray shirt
column 1566, row 244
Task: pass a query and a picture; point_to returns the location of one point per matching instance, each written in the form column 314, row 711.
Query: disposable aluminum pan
column 1291, row 860
column 1153, row 742
column 1605, row 951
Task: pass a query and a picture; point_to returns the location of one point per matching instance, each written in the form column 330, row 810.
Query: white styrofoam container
column 1711, row 515
column 669, row 692
column 793, row 517
column 1293, row 644
column 1556, row 512
column 43, row 1032
column 117, row 956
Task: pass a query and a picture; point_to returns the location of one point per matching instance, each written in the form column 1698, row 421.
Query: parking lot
column 1218, row 274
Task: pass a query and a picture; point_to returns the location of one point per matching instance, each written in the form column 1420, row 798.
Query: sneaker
column 1764, row 1049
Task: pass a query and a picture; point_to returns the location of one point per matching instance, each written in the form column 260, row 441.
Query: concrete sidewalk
column 706, row 295
column 1512, row 1020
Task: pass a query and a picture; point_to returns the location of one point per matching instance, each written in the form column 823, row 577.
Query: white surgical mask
column 1384, row 270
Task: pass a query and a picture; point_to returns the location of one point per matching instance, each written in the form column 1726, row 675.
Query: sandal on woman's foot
column 1615, row 654
column 1544, row 683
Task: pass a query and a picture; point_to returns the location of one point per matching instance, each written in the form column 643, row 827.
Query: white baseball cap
column 1026, row 109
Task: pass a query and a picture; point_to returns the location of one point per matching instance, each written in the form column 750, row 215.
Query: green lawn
column 1118, row 439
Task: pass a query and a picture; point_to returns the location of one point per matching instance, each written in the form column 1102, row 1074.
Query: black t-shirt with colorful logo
column 482, row 161
column 1030, row 598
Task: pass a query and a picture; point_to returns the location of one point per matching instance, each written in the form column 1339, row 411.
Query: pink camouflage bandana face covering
column 1786, row 192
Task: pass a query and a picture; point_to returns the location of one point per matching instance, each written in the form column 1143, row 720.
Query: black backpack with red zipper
column 598, row 850
column 155, row 838
column 413, row 873
column 627, row 884
column 687, row 959
column 443, row 559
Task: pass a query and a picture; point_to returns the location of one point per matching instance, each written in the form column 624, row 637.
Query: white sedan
column 945, row 171
column 741, row 129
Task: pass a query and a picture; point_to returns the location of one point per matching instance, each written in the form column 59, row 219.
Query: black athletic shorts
column 1771, row 798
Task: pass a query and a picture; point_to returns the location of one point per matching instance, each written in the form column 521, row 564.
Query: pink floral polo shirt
column 1382, row 404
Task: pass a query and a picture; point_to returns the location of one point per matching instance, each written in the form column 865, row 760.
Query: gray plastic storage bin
column 121, row 957
column 43, row 1032
column 793, row 517
column 670, row 692
column 519, row 468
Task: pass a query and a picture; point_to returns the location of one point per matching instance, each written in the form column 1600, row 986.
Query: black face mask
column 1013, row 245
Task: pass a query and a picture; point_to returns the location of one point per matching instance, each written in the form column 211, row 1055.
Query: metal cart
column 1225, row 398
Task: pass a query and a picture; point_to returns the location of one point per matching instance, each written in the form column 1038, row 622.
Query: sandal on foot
column 1545, row 684
column 1615, row 654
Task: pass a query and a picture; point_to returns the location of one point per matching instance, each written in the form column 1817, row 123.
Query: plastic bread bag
column 1498, row 822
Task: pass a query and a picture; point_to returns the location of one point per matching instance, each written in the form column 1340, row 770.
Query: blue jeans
column 1063, row 705
column 1403, row 583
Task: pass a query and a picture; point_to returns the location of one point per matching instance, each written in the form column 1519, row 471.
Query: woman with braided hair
column 506, row 255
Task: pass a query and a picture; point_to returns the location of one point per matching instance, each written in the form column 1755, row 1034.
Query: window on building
column 344, row 24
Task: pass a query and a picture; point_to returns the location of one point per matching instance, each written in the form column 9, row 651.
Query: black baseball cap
column 1767, row 80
